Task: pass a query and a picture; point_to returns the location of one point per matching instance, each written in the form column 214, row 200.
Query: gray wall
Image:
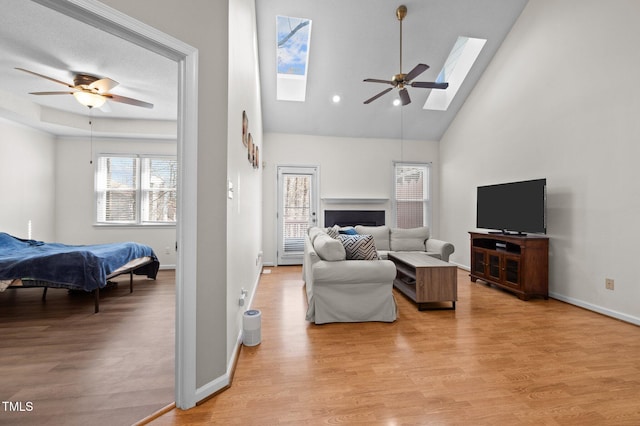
column 204, row 25
column 229, row 230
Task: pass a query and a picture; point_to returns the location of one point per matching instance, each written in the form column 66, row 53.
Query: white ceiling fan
column 89, row 90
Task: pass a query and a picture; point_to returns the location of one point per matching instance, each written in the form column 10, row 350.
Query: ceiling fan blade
column 429, row 85
column 375, row 80
column 51, row 93
column 103, row 85
column 404, row 97
column 378, row 95
column 105, row 107
column 44, row 76
column 416, row 71
column 130, row 101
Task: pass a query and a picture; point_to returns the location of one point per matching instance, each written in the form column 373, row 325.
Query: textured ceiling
column 357, row 39
column 350, row 40
column 49, row 43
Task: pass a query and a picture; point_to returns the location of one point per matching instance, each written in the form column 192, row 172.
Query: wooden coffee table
column 425, row 279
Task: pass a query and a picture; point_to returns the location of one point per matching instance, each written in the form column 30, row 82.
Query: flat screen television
column 514, row 207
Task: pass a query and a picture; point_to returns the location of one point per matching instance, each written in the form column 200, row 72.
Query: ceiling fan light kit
column 89, row 90
column 401, row 80
column 91, row 100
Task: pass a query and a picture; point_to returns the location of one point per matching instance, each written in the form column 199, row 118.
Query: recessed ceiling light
column 336, row 99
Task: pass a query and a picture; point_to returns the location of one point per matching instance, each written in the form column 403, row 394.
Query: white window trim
column 138, row 222
column 427, row 202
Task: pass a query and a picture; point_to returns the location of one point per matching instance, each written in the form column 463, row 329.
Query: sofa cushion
column 314, row 231
column 359, row 247
column 380, row 235
column 329, row 248
column 334, row 231
column 409, row 239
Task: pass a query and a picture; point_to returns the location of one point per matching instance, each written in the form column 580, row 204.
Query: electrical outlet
column 608, row 283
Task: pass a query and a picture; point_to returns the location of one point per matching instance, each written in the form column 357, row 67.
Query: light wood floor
column 80, row 368
column 495, row 360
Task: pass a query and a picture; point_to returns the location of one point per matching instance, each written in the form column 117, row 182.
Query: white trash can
column 251, row 327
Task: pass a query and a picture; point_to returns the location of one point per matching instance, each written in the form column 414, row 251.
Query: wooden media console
column 517, row 263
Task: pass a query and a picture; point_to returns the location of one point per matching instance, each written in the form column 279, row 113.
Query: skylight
column 462, row 57
column 292, row 38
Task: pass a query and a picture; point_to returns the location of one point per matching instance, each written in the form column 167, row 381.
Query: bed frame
column 143, row 266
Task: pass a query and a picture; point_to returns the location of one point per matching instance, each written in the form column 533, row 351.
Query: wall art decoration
column 250, row 149
column 245, row 128
column 256, row 159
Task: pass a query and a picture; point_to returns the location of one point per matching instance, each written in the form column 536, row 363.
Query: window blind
column 411, row 195
column 135, row 189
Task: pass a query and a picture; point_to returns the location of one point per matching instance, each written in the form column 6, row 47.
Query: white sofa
column 389, row 239
column 344, row 290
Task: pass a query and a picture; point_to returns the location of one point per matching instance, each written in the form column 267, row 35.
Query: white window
column 136, row 190
column 411, row 200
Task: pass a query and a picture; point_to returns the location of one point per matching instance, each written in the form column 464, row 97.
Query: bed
column 31, row 263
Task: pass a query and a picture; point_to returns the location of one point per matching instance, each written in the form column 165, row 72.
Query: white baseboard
column 212, row 387
column 465, row 267
column 595, row 308
column 223, row 381
column 582, row 304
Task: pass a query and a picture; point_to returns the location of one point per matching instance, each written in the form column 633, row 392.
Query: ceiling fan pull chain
column 91, row 135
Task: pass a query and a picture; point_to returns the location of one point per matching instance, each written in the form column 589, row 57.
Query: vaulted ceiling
column 357, row 39
column 350, row 41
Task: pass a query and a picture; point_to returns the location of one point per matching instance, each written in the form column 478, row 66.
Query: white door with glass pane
column 297, row 210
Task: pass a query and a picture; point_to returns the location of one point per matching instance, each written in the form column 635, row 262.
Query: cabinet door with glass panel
column 479, row 262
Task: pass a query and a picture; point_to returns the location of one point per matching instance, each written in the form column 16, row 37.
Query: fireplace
column 354, row 217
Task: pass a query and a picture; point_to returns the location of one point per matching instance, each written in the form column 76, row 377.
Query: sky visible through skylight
column 464, row 53
column 293, row 44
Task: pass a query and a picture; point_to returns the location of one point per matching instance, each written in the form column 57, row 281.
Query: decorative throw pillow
column 359, row 247
column 329, row 249
column 348, row 230
column 314, row 231
column 334, row 231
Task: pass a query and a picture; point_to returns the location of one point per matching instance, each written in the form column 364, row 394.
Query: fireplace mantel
column 355, row 200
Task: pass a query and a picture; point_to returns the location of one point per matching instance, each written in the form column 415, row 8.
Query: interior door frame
column 114, row 22
column 313, row 170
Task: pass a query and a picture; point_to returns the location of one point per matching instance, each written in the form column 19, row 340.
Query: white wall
column 27, row 176
column 244, row 218
column 560, row 100
column 349, row 168
column 75, row 201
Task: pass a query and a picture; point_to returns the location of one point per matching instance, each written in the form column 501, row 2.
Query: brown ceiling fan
column 90, row 91
column 400, row 80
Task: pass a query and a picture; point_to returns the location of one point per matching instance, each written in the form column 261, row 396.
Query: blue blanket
column 79, row 267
